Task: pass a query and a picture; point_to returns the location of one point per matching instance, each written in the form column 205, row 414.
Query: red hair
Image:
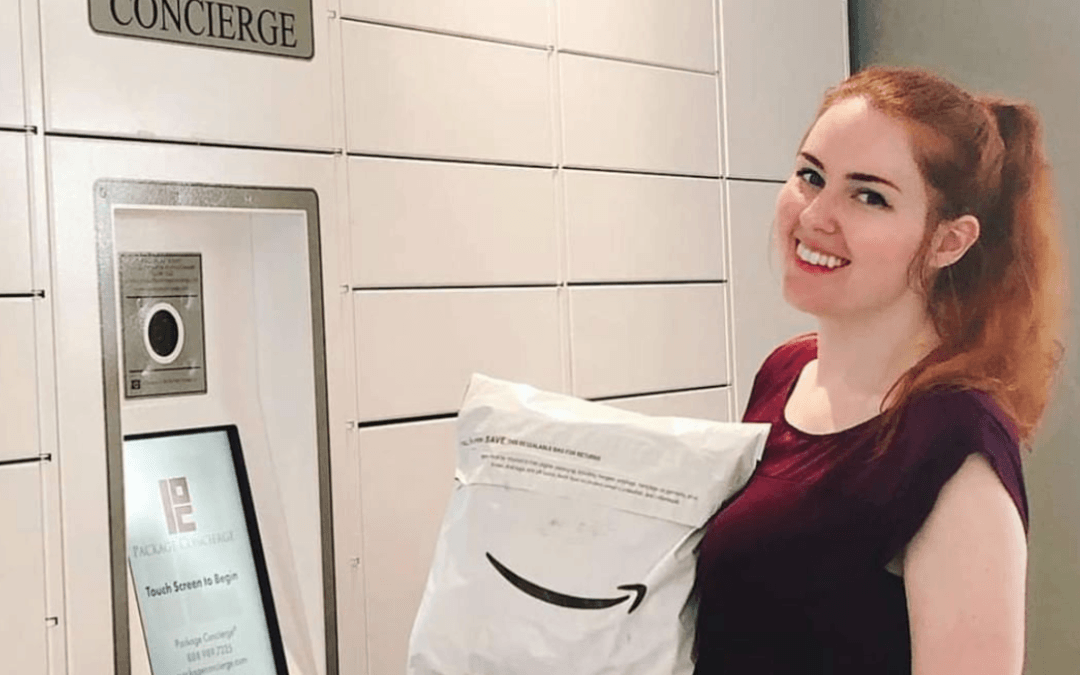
column 999, row 310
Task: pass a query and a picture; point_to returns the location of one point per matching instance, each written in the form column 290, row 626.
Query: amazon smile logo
column 562, row 600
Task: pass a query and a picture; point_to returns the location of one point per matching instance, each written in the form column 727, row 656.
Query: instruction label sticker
column 276, row 27
column 162, row 318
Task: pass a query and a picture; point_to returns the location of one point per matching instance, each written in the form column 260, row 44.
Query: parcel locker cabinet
column 22, row 571
column 778, row 58
column 15, row 243
column 12, row 101
column 524, row 21
column 249, row 72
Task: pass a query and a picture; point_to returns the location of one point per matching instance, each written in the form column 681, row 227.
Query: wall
column 1029, row 50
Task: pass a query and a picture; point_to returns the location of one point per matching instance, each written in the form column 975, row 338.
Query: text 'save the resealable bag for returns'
column 568, row 544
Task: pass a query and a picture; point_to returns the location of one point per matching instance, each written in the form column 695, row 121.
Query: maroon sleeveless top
column 791, row 572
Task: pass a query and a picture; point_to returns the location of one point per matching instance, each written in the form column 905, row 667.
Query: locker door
column 18, row 380
column 406, row 478
column 762, row 318
column 12, row 111
column 14, row 213
column 675, row 33
column 779, row 56
column 22, row 571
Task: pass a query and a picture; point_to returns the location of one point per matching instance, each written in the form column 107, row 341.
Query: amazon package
column 569, row 542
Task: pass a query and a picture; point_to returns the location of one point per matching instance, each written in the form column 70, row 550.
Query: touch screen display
column 195, row 555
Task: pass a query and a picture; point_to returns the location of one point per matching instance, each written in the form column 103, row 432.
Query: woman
column 885, row 529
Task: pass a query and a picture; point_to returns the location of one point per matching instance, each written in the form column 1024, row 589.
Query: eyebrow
column 864, row 177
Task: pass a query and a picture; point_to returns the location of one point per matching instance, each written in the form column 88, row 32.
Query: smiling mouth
column 804, row 254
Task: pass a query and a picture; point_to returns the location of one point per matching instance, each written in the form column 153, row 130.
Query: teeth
column 815, row 258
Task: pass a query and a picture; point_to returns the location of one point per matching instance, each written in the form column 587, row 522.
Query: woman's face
column 856, row 195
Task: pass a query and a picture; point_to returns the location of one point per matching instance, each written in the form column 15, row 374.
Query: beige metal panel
column 669, row 32
column 627, row 116
column 762, row 318
column 108, row 84
column 15, row 269
column 18, row 380
column 526, row 21
column 22, row 575
column 406, row 478
column 74, row 166
column 623, row 227
column 418, row 94
column 12, row 104
column 439, row 223
column 779, row 57
column 639, row 339
column 415, row 351
column 705, row 404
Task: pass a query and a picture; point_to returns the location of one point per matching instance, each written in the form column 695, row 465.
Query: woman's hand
column 965, row 575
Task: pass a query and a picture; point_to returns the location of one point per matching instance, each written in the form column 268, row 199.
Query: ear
column 952, row 240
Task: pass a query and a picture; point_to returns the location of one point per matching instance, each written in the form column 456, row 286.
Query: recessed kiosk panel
column 216, row 415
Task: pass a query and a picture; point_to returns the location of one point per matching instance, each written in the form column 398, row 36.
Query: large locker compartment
column 778, row 59
column 23, row 619
column 250, row 73
column 289, row 513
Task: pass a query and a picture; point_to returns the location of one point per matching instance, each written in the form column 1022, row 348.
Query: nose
column 820, row 213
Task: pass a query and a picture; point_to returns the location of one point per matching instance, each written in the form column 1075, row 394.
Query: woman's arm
column 965, row 573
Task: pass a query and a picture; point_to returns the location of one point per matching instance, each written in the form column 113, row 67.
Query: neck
column 861, row 358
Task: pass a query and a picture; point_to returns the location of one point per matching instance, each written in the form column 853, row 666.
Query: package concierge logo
column 176, row 501
column 276, row 27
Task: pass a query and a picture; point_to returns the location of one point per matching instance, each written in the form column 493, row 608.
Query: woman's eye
column 872, row 198
column 811, row 176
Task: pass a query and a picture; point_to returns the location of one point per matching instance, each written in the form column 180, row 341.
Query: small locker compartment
column 626, row 227
column 418, row 94
column 18, row 380
column 647, row 339
column 418, row 223
column 676, row 33
column 12, row 101
column 524, row 21
column 15, row 268
column 248, row 72
column 415, row 350
column 638, row 118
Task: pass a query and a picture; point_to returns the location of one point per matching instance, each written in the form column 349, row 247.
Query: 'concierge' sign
column 280, row 27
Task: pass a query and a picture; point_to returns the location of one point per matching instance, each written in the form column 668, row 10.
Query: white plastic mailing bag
column 568, row 545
